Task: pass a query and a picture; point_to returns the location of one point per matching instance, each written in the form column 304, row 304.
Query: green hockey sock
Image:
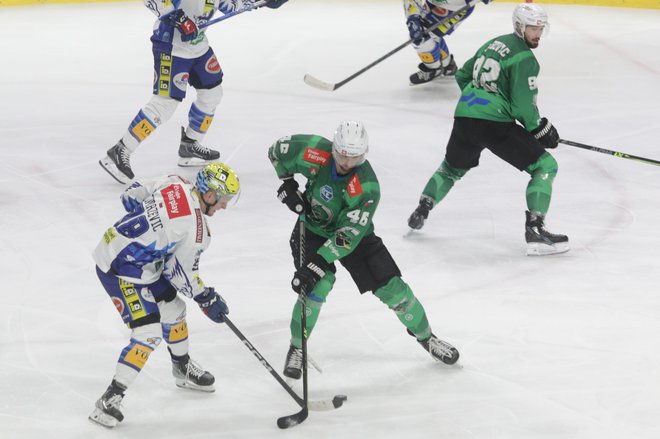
column 398, row 296
column 315, row 301
column 539, row 188
column 442, row 181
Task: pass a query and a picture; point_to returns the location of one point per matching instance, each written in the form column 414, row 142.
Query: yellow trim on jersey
column 132, row 298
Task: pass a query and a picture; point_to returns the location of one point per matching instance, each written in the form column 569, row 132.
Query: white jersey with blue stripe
column 165, row 234
column 200, row 11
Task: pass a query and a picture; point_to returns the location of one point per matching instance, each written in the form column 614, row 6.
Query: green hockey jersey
column 342, row 207
column 499, row 83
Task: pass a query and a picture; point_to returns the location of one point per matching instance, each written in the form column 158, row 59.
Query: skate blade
column 540, row 249
column 111, row 169
column 191, row 386
column 103, row 419
column 191, row 162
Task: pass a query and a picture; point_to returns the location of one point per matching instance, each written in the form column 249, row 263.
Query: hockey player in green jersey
column 340, row 199
column 497, row 111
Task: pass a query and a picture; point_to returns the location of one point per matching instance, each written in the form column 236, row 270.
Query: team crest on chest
column 327, row 193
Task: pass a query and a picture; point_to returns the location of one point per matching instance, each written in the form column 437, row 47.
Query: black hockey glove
column 186, row 26
column 213, row 305
column 289, row 194
column 546, row 134
column 415, row 29
column 306, row 277
column 274, row 4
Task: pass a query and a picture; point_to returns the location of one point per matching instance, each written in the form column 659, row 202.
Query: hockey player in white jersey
column 432, row 48
column 182, row 56
column 149, row 257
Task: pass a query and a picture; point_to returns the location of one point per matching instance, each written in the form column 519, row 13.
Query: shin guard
column 315, row 301
column 398, row 296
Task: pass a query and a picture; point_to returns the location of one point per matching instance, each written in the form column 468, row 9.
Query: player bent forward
column 148, row 256
column 340, row 199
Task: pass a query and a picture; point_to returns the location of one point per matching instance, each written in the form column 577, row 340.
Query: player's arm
column 160, row 8
column 464, row 75
column 523, row 92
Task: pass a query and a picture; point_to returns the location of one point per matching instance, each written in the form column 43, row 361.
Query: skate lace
column 194, row 369
column 114, row 402
column 295, row 359
column 439, row 347
column 198, row 148
column 124, row 156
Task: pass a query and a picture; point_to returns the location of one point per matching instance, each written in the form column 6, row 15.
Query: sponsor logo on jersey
column 181, row 80
column 118, row 304
column 199, row 236
column 109, row 235
column 317, row 156
column 354, row 186
column 327, row 193
column 176, row 203
column 212, row 65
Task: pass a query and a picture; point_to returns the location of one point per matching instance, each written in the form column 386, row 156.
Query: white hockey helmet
column 529, row 14
column 351, row 140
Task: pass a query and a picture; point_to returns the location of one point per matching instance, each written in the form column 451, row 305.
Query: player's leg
column 373, row 269
column 462, row 155
column 188, row 373
column 315, row 300
column 139, row 311
column 206, row 78
column 434, row 53
column 169, row 89
column 521, row 150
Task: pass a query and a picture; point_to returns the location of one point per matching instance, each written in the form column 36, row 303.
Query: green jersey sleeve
column 290, row 155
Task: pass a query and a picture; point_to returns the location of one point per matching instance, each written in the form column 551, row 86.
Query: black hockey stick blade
column 293, row 420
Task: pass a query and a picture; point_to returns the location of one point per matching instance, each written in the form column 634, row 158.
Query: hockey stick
column 623, row 155
column 321, row 85
column 320, row 405
column 297, row 418
column 233, row 13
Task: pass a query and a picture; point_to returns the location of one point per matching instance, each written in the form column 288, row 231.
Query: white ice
column 552, row 348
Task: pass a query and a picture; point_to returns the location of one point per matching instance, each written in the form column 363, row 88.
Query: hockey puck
column 338, row 400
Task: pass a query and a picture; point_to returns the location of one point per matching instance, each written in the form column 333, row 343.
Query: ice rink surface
column 563, row 347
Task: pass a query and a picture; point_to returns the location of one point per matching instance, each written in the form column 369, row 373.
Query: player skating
column 497, row 111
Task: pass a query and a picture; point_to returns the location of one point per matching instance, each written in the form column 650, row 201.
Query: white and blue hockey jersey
column 200, row 11
column 164, row 234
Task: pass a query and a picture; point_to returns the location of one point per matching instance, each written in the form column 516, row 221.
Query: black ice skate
column 190, row 375
column 425, row 74
column 440, row 350
column 117, row 163
column 451, row 68
column 419, row 215
column 293, row 363
column 540, row 242
column 192, row 153
column 107, row 411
